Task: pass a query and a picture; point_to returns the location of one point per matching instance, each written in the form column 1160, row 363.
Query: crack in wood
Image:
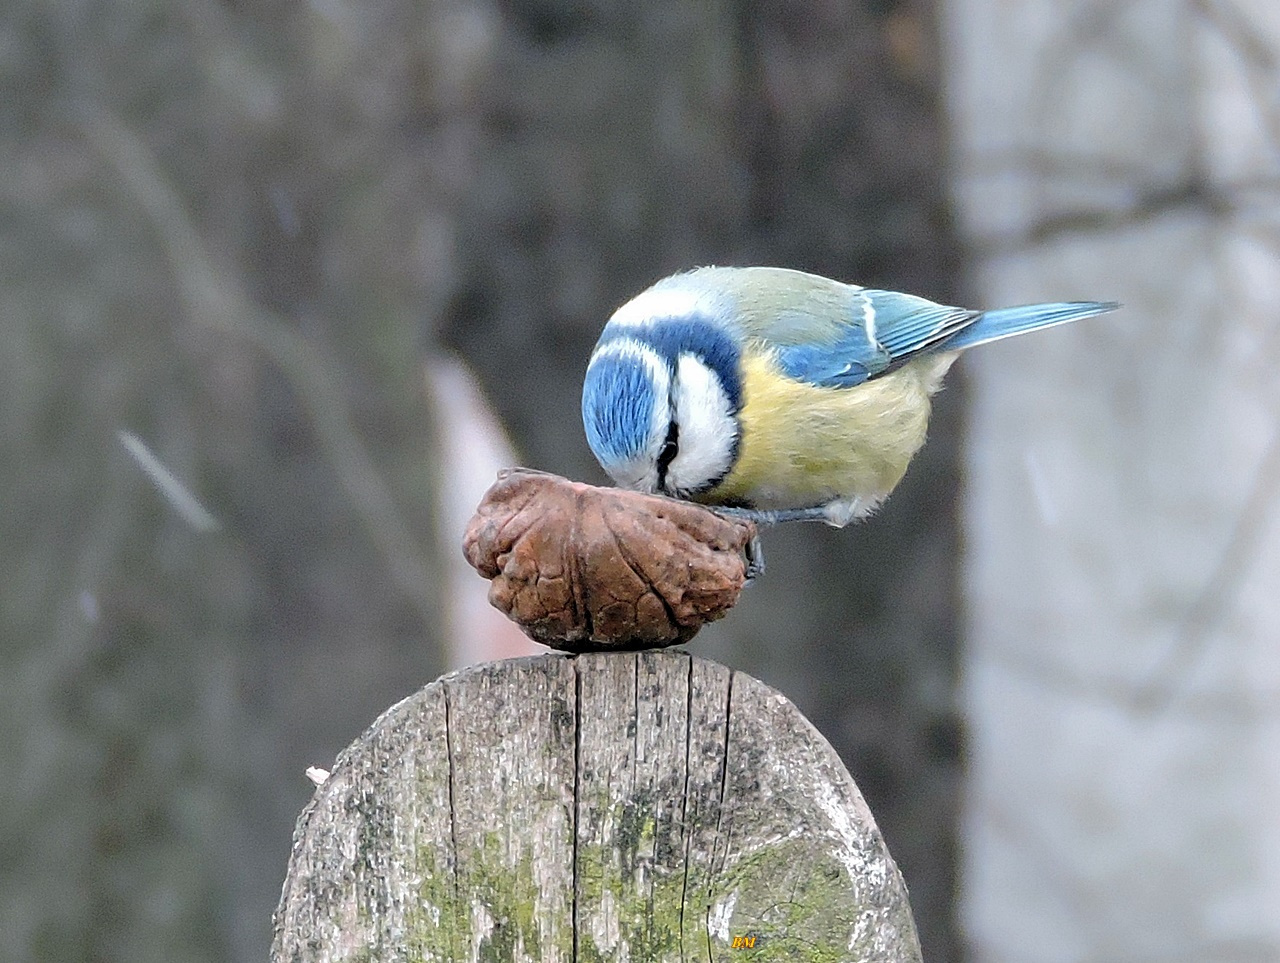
column 576, row 882
column 453, row 821
column 528, row 810
column 684, row 799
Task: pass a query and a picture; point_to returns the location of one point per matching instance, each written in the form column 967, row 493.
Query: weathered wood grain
column 616, row 806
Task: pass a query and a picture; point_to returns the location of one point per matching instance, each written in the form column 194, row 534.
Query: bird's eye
column 667, row 453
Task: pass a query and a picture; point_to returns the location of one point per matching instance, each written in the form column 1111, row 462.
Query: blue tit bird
column 777, row 394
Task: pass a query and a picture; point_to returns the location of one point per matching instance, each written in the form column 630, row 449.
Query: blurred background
column 280, row 282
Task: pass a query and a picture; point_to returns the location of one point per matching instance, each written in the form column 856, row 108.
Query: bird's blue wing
column 837, row 335
column 881, row 330
column 849, row 360
column 822, row 331
column 906, row 325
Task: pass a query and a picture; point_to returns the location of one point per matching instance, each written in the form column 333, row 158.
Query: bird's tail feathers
column 1006, row 322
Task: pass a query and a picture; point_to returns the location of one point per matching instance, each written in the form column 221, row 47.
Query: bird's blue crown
column 620, row 394
column 697, row 335
column 618, row 399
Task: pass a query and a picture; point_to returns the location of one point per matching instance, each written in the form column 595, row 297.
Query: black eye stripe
column 667, row 453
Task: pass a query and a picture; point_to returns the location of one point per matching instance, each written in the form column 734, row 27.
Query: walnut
column 582, row 568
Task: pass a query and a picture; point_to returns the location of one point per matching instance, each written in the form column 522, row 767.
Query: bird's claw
column 765, row 517
column 755, row 559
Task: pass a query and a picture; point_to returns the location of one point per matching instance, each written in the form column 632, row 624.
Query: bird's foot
column 755, row 559
column 764, row 518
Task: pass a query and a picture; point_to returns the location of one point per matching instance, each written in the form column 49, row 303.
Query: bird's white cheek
column 708, row 428
column 697, row 471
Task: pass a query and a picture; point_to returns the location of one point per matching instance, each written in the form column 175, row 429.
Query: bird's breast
column 803, row 445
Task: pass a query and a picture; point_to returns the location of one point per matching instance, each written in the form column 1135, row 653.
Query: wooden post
column 612, row 806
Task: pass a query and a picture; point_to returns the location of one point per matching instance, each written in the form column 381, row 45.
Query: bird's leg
column 764, row 517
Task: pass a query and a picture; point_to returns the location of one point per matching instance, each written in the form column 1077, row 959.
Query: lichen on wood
column 638, row 806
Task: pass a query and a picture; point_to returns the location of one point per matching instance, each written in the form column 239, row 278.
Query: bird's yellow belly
column 803, row 446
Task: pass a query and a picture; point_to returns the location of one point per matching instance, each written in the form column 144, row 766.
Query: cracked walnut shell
column 582, row 568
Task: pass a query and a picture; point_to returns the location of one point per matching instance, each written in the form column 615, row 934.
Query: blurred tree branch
column 1143, row 204
column 214, row 298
